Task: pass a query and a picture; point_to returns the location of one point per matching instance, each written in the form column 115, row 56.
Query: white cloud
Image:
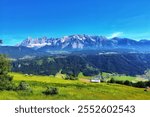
column 116, row 34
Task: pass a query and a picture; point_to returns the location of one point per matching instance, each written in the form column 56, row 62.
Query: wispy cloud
column 115, row 34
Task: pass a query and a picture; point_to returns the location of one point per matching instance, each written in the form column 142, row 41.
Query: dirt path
column 84, row 80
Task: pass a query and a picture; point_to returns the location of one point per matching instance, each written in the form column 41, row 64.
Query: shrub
column 23, row 86
column 7, row 85
column 148, row 83
column 128, row 83
column 71, row 77
column 50, row 91
column 119, row 82
column 112, row 80
column 140, row 84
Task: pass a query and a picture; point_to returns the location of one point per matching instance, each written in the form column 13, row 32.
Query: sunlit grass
column 70, row 90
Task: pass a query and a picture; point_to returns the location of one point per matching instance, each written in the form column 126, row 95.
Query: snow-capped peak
column 37, row 42
column 73, row 41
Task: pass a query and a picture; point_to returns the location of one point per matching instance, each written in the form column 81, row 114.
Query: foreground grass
column 71, row 90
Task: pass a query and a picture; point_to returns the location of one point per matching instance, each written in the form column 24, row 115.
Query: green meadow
column 80, row 89
column 118, row 77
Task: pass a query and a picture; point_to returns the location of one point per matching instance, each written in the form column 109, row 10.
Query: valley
column 64, row 68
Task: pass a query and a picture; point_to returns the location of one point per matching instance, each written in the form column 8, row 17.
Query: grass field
column 123, row 77
column 129, row 78
column 72, row 90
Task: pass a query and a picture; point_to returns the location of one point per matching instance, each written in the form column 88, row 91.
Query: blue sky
column 57, row 18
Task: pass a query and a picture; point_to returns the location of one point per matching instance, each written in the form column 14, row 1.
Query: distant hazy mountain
column 19, row 52
column 83, row 42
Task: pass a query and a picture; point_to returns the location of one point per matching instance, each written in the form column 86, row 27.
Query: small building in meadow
column 26, row 74
column 147, row 89
column 96, row 79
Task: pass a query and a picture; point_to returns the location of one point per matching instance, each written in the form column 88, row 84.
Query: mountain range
column 74, row 43
column 83, row 42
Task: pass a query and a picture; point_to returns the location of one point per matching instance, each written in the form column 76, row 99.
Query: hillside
column 126, row 63
column 73, row 90
column 19, row 52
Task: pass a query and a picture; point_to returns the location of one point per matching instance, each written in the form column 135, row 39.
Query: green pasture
column 72, row 89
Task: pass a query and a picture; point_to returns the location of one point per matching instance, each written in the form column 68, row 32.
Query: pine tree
column 5, row 79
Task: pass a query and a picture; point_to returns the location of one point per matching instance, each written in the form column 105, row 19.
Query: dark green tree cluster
column 70, row 65
column 89, row 65
column 71, row 77
column 23, row 86
column 139, row 84
column 5, row 79
column 50, row 91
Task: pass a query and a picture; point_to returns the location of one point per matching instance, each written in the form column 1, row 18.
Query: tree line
column 139, row 84
column 71, row 65
column 128, row 64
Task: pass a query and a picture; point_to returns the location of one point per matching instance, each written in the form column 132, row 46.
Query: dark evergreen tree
column 5, row 79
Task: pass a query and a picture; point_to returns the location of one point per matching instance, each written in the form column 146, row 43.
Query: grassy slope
column 124, row 77
column 72, row 89
column 116, row 77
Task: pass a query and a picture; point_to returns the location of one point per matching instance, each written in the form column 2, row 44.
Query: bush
column 148, row 83
column 112, row 80
column 140, row 84
column 6, row 77
column 7, row 85
column 71, row 77
column 119, row 82
column 23, row 86
column 50, row 91
column 128, row 83
column 90, row 72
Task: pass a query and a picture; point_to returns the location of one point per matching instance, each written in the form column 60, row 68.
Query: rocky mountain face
column 83, row 42
column 67, row 42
